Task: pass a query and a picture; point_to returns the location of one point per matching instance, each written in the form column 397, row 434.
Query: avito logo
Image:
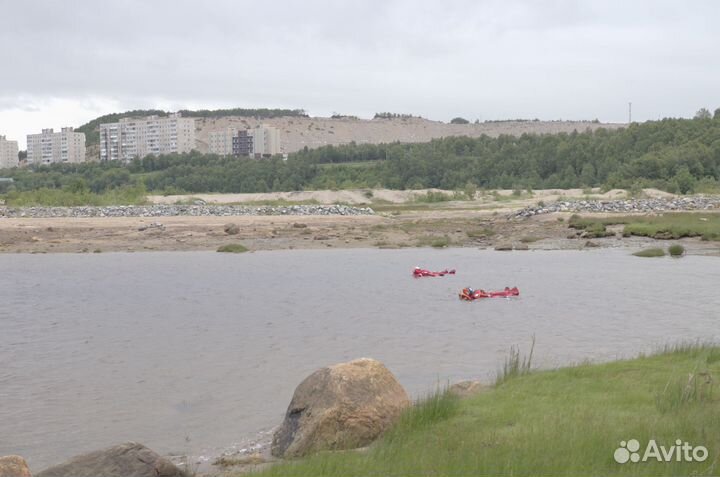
column 680, row 452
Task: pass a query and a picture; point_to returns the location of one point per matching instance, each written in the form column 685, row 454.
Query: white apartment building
column 132, row 138
column 266, row 141
column 8, row 153
column 221, row 142
column 66, row 146
column 257, row 142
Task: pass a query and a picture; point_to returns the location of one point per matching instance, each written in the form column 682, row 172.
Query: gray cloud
column 486, row 59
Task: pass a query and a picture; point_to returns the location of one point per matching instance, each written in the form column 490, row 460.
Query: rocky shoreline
column 180, row 211
column 623, row 206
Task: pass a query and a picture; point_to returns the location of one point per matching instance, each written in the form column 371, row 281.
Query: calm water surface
column 199, row 351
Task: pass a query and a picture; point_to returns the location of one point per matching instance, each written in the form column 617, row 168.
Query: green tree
column 587, row 175
column 459, row 120
column 78, row 186
column 685, row 181
column 703, row 113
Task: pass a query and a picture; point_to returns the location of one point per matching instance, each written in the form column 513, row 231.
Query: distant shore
column 398, row 219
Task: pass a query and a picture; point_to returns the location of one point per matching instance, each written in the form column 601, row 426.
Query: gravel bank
column 180, row 210
column 623, row 206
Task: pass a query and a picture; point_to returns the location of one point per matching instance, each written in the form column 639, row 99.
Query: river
column 199, row 352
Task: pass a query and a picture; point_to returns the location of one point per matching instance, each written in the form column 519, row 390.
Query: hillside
column 299, row 132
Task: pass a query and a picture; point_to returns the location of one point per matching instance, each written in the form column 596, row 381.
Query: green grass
column 434, row 241
column 594, row 228
column 65, row 198
column 565, row 422
column 650, row 252
column 430, row 197
column 233, row 248
column 674, row 225
column 480, row 233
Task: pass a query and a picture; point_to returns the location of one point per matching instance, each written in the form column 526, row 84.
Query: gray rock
column 464, row 389
column 14, row 466
column 231, row 229
column 344, row 406
column 125, row 460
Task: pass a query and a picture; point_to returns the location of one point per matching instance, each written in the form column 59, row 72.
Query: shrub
column 470, row 191
column 676, row 250
column 233, row 248
column 440, row 242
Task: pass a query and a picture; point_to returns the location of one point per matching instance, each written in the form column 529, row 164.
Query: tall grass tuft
column 694, row 388
column 678, row 393
column 516, row 365
column 435, row 407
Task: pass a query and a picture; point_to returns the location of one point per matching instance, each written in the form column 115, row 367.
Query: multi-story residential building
column 266, row 141
column 48, row 147
column 8, row 153
column 261, row 141
column 131, row 138
column 221, row 142
column 242, row 143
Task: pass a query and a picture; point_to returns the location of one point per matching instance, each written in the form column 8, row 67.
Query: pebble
column 201, row 210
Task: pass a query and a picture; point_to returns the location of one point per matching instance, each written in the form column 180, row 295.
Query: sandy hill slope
column 298, row 132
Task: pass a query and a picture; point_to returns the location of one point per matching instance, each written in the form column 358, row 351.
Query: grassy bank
column 563, row 422
column 672, row 225
column 66, row 198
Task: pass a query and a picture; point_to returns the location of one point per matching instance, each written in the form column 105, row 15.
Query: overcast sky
column 66, row 62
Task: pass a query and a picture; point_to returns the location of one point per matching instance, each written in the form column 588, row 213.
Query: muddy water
column 196, row 352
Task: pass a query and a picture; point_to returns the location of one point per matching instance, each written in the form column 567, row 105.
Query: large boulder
column 125, row 460
column 14, row 466
column 344, row 406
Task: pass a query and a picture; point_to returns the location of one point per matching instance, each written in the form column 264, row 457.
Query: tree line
column 676, row 155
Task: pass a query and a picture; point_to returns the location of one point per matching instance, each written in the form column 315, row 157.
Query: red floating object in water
column 419, row 273
column 469, row 294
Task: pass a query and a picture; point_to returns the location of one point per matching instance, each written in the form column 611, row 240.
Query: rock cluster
column 180, row 210
column 623, row 206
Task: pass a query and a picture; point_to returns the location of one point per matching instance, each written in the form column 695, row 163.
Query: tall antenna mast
column 630, row 113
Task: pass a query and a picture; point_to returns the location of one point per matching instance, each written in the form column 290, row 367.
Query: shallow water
column 196, row 352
